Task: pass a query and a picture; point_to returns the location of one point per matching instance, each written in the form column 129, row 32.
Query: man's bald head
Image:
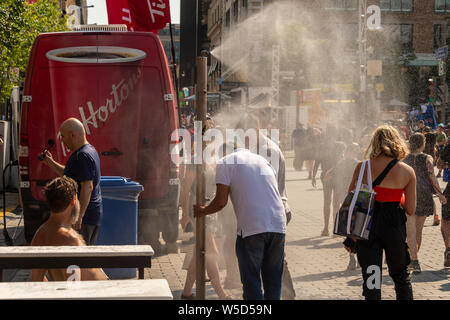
column 73, row 133
column 73, row 125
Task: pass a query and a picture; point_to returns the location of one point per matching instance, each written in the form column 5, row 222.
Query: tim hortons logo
column 119, row 94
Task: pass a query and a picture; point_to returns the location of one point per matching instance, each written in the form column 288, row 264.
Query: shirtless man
column 61, row 194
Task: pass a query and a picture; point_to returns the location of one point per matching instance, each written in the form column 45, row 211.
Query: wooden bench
column 51, row 257
column 149, row 289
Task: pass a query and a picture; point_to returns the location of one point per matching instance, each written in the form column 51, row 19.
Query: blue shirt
column 84, row 165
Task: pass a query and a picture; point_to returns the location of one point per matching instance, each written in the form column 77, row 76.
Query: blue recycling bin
column 120, row 218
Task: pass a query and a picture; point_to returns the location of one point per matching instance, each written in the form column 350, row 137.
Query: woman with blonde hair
column 388, row 231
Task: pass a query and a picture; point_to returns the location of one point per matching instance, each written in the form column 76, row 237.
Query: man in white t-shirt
column 270, row 151
column 251, row 182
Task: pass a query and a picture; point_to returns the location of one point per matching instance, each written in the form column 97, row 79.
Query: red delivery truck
column 118, row 85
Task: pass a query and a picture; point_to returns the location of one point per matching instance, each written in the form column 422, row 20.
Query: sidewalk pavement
column 317, row 264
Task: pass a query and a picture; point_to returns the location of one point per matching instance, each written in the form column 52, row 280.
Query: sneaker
column 447, row 258
column 414, row 267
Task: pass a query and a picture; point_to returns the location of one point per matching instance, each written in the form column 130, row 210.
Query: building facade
column 164, row 36
column 82, row 14
column 214, row 33
column 412, row 29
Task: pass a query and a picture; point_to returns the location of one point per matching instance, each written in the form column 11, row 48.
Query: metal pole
column 444, row 103
column 174, row 70
column 201, row 101
column 297, row 107
column 362, row 48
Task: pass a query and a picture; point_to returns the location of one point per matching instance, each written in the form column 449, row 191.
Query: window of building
column 438, row 35
column 402, row 33
column 341, row 4
column 406, row 34
column 245, row 7
column 442, row 5
column 227, row 19
column 235, row 11
column 397, row 5
column 164, row 32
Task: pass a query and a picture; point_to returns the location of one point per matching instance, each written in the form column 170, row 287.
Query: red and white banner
column 119, row 13
column 139, row 15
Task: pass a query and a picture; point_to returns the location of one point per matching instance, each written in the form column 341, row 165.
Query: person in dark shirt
column 297, row 138
column 421, row 126
column 84, row 167
column 329, row 155
column 445, row 225
column 338, row 176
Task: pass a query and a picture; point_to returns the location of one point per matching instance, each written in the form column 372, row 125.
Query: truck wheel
column 169, row 221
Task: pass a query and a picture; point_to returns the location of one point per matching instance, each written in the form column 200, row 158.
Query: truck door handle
column 112, row 153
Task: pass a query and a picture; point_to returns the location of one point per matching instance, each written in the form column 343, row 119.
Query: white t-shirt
column 255, row 197
column 424, row 108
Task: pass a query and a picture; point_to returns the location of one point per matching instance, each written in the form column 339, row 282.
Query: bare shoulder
column 68, row 237
column 39, row 236
column 405, row 169
column 358, row 165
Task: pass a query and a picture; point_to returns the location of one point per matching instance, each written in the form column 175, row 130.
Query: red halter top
column 388, row 194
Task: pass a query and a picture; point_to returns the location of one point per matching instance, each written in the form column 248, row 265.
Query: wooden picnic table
column 149, row 289
column 59, row 257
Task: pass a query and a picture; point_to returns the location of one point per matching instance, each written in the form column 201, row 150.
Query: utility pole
column 201, row 101
column 275, row 94
column 443, row 86
column 362, row 51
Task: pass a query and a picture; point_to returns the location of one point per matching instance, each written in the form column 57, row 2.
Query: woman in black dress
column 427, row 184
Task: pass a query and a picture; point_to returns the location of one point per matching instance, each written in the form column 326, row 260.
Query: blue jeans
column 261, row 256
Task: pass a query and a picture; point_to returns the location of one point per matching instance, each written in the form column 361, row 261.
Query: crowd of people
column 405, row 198
column 249, row 231
column 259, row 217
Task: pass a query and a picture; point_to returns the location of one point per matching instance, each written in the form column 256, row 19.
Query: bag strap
column 383, row 175
column 355, row 195
column 369, row 175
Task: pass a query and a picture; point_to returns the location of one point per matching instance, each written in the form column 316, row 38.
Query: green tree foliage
column 20, row 23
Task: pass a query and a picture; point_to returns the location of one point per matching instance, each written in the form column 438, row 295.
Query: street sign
column 442, row 52
column 380, row 87
column 374, row 67
column 441, row 68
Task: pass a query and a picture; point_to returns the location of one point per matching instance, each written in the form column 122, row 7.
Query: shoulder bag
column 355, row 215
